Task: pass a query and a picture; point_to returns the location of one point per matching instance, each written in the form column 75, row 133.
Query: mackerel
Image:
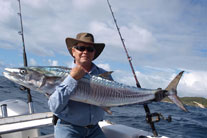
column 91, row 89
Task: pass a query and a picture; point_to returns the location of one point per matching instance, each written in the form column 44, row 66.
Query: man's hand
column 77, row 72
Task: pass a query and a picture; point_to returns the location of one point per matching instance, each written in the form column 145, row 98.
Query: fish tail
column 171, row 91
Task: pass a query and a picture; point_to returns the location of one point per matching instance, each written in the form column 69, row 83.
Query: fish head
column 25, row 76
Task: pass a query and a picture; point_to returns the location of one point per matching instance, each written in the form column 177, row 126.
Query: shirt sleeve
column 59, row 99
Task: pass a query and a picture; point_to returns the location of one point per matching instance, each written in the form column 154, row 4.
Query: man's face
column 83, row 53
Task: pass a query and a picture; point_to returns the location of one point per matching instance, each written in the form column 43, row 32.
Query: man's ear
column 73, row 51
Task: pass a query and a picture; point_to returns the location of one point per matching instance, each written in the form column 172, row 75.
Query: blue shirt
column 76, row 113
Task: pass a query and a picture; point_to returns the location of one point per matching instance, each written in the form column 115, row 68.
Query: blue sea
column 183, row 125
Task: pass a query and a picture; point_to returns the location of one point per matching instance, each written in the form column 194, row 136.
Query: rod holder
column 4, row 110
column 31, row 107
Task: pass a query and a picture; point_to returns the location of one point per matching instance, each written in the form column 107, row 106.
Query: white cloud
column 32, row 62
column 104, row 33
column 53, row 62
column 194, row 83
column 6, row 10
column 36, row 3
column 123, row 77
column 136, row 38
column 104, row 66
column 83, row 4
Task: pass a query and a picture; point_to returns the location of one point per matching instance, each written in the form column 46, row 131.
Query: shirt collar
column 93, row 68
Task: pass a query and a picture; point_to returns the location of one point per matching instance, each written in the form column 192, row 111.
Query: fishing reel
column 23, row 88
column 152, row 118
column 156, row 117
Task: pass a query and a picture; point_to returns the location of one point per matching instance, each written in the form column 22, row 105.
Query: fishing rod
column 149, row 116
column 29, row 96
column 122, row 40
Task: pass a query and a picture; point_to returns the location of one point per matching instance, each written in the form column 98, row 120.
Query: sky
column 163, row 37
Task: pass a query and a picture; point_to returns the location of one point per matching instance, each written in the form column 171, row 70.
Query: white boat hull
column 21, row 124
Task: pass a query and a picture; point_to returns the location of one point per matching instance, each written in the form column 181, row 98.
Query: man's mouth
column 85, row 57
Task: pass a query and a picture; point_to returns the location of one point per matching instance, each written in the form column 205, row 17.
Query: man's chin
column 85, row 61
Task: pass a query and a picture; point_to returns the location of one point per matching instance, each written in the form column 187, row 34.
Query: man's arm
column 59, row 99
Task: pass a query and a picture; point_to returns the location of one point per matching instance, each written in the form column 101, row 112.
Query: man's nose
column 85, row 51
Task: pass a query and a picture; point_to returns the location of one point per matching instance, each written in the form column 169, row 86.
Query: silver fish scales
column 107, row 93
column 91, row 89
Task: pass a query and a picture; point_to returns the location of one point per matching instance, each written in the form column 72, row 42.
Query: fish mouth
column 10, row 72
column 13, row 74
column 6, row 74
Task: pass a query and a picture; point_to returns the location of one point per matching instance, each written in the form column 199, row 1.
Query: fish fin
column 172, row 91
column 107, row 109
column 106, row 75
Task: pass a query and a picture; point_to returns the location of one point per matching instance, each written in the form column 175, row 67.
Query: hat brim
column 70, row 42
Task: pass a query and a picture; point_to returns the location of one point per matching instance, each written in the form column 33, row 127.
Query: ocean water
column 183, row 125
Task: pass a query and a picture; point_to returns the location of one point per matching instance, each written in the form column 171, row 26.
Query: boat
column 16, row 121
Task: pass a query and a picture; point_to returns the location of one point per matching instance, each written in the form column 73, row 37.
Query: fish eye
column 22, row 71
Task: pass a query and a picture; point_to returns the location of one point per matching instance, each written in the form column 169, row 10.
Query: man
column 76, row 119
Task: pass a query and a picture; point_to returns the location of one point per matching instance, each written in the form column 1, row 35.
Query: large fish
column 91, row 89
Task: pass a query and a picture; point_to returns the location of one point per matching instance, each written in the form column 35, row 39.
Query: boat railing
column 25, row 122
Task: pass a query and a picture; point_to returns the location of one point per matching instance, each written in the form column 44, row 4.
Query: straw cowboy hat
column 84, row 38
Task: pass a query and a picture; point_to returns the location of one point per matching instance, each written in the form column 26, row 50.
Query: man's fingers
column 77, row 72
